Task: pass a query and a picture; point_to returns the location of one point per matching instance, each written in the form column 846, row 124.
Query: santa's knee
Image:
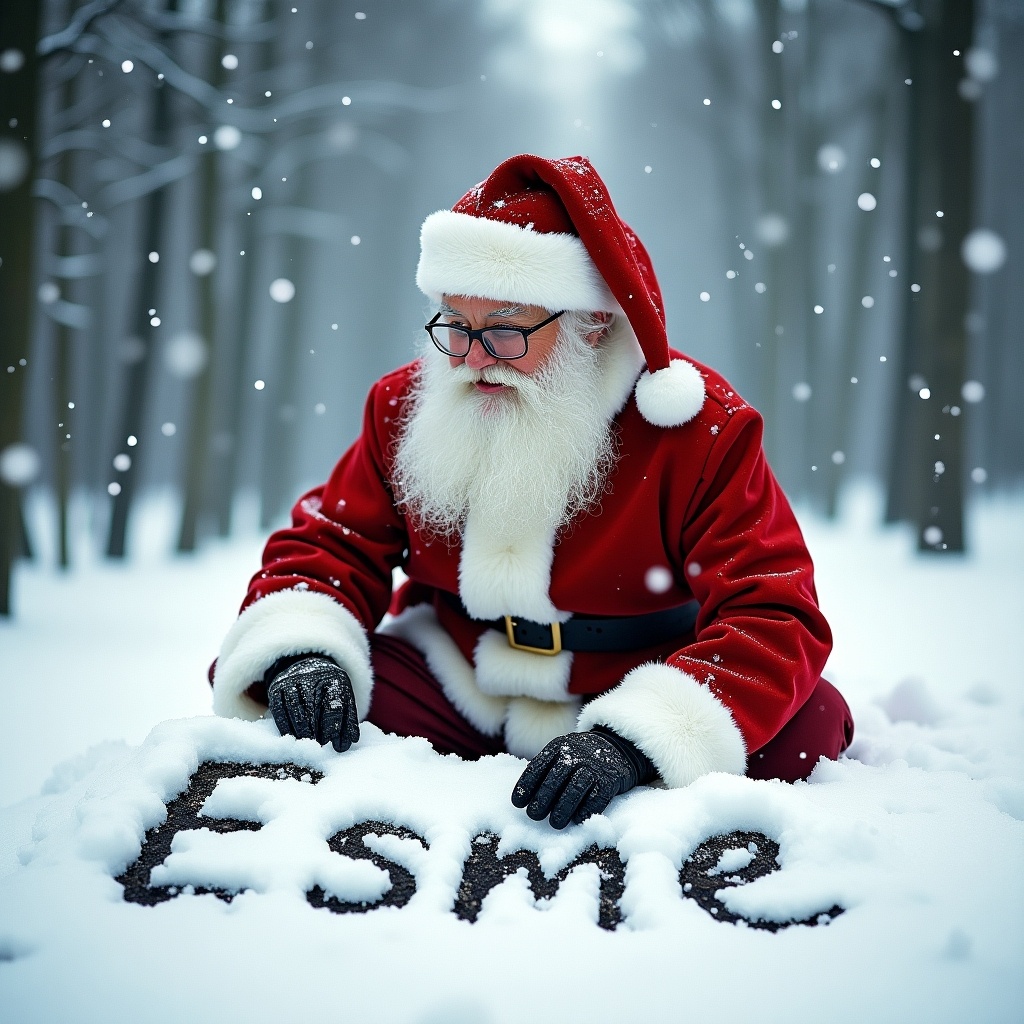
column 823, row 727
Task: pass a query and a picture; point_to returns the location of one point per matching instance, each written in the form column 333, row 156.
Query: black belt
column 592, row 632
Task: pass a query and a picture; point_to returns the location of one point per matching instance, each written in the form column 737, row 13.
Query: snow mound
column 911, row 701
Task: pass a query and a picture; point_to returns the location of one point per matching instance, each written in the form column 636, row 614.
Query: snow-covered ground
column 918, row 834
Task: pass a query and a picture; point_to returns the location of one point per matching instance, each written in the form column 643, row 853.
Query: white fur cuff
column 678, row 723
column 283, row 623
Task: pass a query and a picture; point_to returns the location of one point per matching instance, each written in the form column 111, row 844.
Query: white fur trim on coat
column 678, row 723
column 418, row 626
column 503, row 671
column 283, row 623
column 672, row 396
column 530, row 724
column 502, row 575
column 465, row 255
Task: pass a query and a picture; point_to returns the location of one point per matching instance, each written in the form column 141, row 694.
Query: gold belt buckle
column 556, row 638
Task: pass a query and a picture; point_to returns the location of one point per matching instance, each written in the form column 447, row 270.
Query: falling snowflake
column 657, row 579
column 282, row 290
column 983, row 251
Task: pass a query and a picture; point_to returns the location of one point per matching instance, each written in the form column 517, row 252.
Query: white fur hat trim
column 465, row 255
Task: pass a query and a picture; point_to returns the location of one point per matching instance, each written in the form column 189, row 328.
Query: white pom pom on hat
column 671, row 396
column 545, row 233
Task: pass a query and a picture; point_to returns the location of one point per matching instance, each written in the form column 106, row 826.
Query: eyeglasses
column 501, row 342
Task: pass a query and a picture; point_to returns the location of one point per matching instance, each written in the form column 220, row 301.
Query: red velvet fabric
column 823, row 727
column 408, row 701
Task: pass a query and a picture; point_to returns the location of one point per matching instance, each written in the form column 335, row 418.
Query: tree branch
column 149, row 181
column 70, row 207
column 68, row 36
column 167, row 21
column 262, row 120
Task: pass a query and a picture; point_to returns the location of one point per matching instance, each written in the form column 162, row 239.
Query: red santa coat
column 693, row 511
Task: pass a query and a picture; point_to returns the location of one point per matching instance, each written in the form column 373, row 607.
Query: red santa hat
column 545, row 233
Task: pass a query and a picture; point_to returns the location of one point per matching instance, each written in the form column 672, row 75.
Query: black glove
column 311, row 698
column 577, row 775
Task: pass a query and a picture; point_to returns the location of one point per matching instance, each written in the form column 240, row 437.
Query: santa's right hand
column 312, row 698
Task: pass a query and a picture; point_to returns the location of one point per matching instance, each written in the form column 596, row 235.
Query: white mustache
column 496, row 374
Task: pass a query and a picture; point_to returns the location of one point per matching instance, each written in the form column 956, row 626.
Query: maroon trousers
column 408, row 701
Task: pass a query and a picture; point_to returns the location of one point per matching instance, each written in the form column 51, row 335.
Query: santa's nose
column 478, row 357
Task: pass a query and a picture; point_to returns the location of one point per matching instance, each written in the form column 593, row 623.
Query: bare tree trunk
column 282, row 422
column 19, row 30
column 226, row 428
column 899, row 486
column 64, row 337
column 940, row 515
column 936, row 337
column 138, row 372
column 198, row 444
column 231, row 403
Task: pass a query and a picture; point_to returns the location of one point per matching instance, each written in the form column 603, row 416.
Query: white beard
column 524, row 460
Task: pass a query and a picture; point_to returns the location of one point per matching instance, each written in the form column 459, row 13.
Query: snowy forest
column 209, row 214
column 210, row 217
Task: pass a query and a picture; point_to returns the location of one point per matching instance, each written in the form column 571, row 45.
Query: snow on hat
column 545, row 233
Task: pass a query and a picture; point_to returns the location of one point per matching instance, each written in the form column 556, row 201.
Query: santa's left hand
column 577, row 775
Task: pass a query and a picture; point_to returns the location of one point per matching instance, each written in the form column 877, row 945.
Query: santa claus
column 603, row 575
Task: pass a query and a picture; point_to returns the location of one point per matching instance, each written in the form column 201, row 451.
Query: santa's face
column 477, row 313
column 524, row 443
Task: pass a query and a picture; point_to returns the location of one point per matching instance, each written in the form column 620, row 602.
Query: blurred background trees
column 209, row 213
